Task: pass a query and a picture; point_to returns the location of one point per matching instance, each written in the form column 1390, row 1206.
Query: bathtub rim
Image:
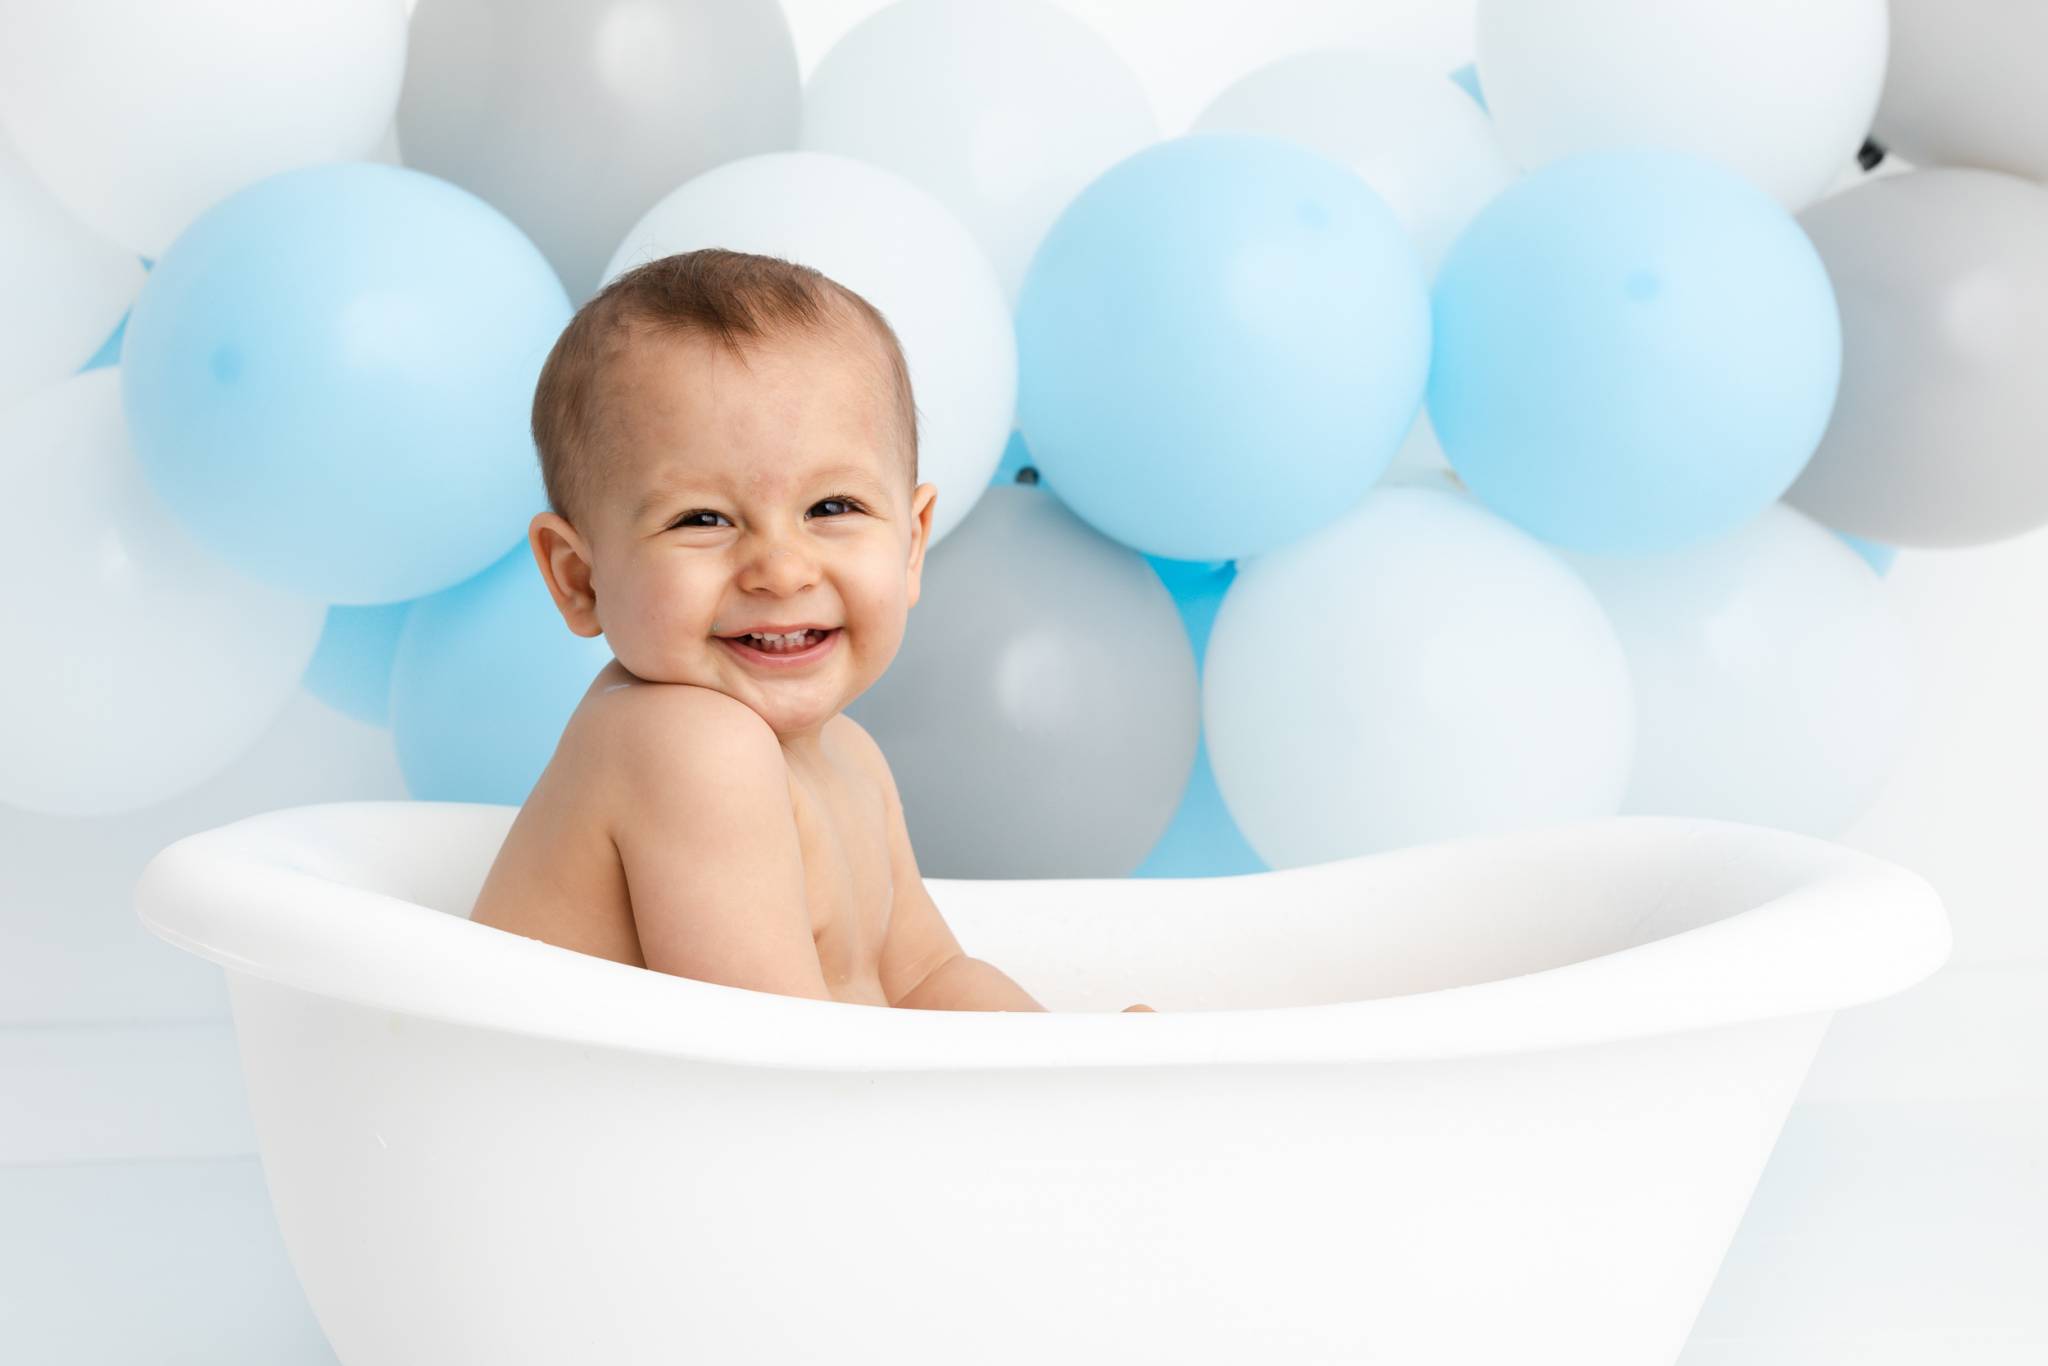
column 1860, row 929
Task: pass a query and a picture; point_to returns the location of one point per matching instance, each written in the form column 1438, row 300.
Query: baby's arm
column 922, row 965
column 708, row 841
column 964, row 983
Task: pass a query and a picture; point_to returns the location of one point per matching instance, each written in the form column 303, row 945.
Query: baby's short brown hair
column 732, row 297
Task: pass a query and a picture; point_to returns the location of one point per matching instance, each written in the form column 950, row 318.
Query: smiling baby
column 729, row 446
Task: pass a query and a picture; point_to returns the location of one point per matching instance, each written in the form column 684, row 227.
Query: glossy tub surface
column 1500, row 1099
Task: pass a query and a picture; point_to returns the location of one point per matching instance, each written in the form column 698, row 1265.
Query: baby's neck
column 805, row 751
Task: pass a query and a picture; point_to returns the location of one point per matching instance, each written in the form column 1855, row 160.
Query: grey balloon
column 1042, row 715
column 573, row 117
column 1940, row 431
column 1963, row 85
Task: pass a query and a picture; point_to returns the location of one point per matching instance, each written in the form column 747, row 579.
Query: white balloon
column 1002, row 109
column 387, row 149
column 1852, row 173
column 901, row 250
column 1781, row 93
column 570, row 117
column 141, row 114
column 135, row 663
column 1774, row 680
column 1411, row 133
column 1418, row 669
column 70, row 949
column 62, row 288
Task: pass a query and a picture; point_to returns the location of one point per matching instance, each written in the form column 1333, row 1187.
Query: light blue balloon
column 1202, row 840
column 1221, row 343
column 110, row 349
column 485, row 677
column 1636, row 349
column 1016, row 459
column 1197, row 587
column 351, row 669
column 328, row 378
column 1878, row 555
column 1468, row 77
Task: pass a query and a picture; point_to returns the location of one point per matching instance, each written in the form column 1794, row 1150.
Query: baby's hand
column 1128, row 1009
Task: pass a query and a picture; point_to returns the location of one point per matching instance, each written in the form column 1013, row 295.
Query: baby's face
column 721, row 518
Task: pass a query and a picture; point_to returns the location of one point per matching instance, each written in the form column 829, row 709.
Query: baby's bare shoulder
column 650, row 731
column 706, row 831
column 621, row 727
column 645, row 699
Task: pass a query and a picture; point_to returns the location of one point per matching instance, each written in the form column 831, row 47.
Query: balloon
column 1781, row 94
column 138, row 114
column 1415, row 137
column 329, row 378
column 1416, row 670
column 1202, row 840
column 387, row 149
column 70, row 950
column 1467, row 77
column 351, row 669
column 1001, row 109
column 1042, row 713
column 572, row 116
column 483, row 681
column 1221, row 343
column 1016, row 459
column 1963, row 87
column 1888, row 163
column 1197, row 589
column 1875, row 553
column 901, row 250
column 110, row 349
column 1420, row 460
column 139, row 664
column 64, row 287
column 1634, row 350
column 1939, row 435
column 1773, row 680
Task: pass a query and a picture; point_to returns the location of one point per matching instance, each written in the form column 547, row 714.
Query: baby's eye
column 684, row 520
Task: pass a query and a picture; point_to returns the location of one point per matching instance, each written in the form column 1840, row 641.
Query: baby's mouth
column 781, row 645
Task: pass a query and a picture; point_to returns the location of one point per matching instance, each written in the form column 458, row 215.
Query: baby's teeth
column 780, row 642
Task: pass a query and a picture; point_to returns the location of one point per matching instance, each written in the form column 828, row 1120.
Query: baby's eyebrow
column 671, row 491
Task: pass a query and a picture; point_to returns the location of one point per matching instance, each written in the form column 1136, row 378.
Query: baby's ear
column 564, row 565
column 921, row 525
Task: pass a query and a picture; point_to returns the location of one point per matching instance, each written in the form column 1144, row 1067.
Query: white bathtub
column 1499, row 1100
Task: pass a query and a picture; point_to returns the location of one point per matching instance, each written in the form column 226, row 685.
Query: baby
column 729, row 447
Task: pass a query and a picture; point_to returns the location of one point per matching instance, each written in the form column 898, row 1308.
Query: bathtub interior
column 1398, row 923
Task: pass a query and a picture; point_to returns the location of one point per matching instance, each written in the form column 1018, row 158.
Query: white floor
column 173, row 1262
column 1903, row 1218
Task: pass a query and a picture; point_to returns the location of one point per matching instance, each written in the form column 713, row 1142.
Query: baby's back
column 667, row 832
column 557, row 877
